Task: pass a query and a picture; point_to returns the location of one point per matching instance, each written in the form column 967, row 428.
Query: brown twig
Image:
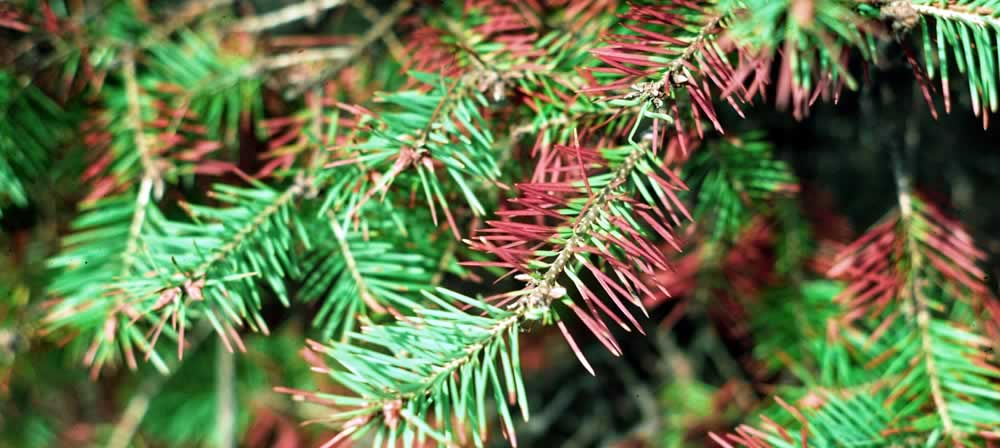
column 285, row 15
column 377, row 30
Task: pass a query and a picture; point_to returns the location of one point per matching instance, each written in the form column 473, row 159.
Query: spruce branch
column 823, row 419
column 204, row 269
column 581, row 231
column 596, row 215
column 423, row 130
column 165, row 119
column 352, row 265
column 917, row 290
column 959, row 12
column 351, row 273
column 180, row 271
column 473, row 351
column 702, row 26
column 958, row 28
column 250, row 228
column 152, row 182
column 736, row 179
column 913, row 292
column 213, row 85
column 102, row 253
column 440, row 362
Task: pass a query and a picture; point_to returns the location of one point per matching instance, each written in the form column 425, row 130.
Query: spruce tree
column 734, row 223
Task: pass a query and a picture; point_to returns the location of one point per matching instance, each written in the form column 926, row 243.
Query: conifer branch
column 187, row 276
column 904, row 266
column 707, row 31
column 957, row 12
column 458, row 357
column 352, row 265
column 540, row 295
column 443, row 125
column 136, row 121
column 588, row 232
column 31, row 125
column 583, row 227
column 912, row 289
column 135, row 227
column 959, row 26
column 472, row 353
column 249, row 229
column 678, row 49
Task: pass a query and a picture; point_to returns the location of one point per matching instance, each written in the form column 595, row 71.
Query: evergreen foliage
column 30, row 126
column 419, row 194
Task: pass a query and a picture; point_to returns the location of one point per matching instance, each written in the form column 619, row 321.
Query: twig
column 389, row 38
column 150, row 184
column 375, row 32
column 585, row 224
column 180, row 18
column 225, row 410
column 285, row 60
column 237, row 239
column 136, row 408
column 134, row 412
column 912, row 288
column 287, row 14
column 443, row 263
column 136, row 120
column 352, row 265
column 946, row 13
column 703, row 34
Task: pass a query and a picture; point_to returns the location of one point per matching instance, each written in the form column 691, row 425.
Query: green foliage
column 208, row 269
column 815, row 36
column 926, row 339
column 31, row 125
column 175, row 418
column 172, row 110
column 858, row 420
column 196, row 75
column 810, row 344
column 558, row 113
column 424, row 128
column 102, row 251
column 95, row 45
column 441, row 363
column 352, row 272
column 734, row 180
column 961, row 32
column 547, row 137
column 794, row 243
column 125, row 263
column 899, row 351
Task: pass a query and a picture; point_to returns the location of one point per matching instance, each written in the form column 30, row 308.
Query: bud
column 678, row 78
